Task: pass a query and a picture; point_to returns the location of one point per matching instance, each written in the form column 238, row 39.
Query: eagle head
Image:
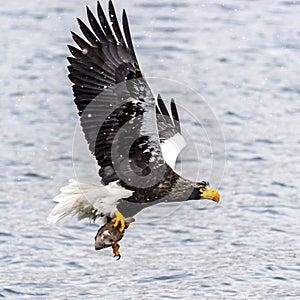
column 203, row 191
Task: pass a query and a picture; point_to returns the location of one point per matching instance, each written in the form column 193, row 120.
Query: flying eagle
column 132, row 135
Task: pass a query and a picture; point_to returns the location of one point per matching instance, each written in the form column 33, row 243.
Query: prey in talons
column 111, row 233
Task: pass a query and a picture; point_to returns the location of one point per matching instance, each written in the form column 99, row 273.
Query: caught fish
column 108, row 236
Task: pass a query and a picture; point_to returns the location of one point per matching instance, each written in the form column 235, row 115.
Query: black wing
column 115, row 104
column 168, row 125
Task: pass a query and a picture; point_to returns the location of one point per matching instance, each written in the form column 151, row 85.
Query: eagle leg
column 119, row 220
column 116, row 251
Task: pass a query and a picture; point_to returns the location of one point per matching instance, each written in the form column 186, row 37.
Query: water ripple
column 235, row 56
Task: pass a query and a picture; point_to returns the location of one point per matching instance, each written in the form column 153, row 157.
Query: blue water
column 242, row 59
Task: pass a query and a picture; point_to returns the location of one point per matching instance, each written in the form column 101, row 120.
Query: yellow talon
column 119, row 220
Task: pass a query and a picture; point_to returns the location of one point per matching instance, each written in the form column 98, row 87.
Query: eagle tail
column 86, row 200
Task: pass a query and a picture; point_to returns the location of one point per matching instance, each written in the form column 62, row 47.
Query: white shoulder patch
column 171, row 148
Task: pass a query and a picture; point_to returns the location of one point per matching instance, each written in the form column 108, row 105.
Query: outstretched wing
column 116, row 106
column 171, row 139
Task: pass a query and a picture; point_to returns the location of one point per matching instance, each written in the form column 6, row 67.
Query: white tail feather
column 86, row 200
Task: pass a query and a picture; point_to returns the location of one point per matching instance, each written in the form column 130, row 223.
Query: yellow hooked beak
column 211, row 194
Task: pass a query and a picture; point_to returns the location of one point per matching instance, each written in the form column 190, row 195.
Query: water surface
column 242, row 58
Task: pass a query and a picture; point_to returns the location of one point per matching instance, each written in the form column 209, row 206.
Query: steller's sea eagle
column 133, row 137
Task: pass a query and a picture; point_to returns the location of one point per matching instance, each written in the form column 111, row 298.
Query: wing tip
column 175, row 115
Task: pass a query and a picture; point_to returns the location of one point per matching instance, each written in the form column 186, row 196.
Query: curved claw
column 117, row 256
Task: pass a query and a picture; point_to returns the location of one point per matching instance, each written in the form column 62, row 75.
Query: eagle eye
column 202, row 189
